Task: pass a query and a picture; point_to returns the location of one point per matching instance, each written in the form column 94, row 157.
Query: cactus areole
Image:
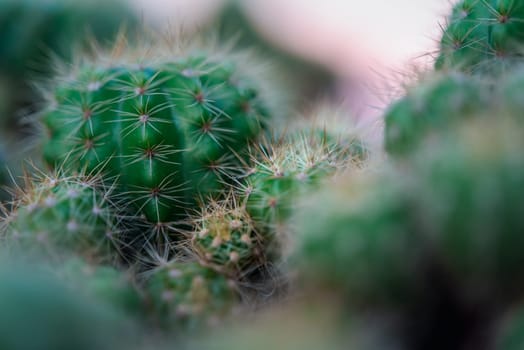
column 166, row 134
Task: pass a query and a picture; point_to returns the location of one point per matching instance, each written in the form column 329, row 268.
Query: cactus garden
column 168, row 197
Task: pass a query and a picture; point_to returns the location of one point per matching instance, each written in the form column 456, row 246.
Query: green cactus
column 292, row 166
column 469, row 206
column 189, row 295
column 510, row 332
column 56, row 213
column 483, row 36
column 435, row 104
column 354, row 237
column 455, row 208
column 170, row 130
column 55, row 317
column 225, row 237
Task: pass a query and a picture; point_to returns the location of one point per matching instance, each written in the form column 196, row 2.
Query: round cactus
column 297, row 163
column 434, row 104
column 58, row 213
column 225, row 237
column 483, row 36
column 189, row 295
column 170, row 130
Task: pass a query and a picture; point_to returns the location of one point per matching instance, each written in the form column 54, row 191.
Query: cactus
column 225, row 237
column 58, row 319
column 57, row 213
column 170, row 130
column 471, row 198
column 510, row 332
column 354, row 237
column 189, row 295
column 433, row 105
column 483, row 36
column 102, row 283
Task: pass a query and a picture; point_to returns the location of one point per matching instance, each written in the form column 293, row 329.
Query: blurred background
column 351, row 50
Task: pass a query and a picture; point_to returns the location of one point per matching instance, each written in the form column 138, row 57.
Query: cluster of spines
column 225, row 237
column 57, row 212
column 483, row 36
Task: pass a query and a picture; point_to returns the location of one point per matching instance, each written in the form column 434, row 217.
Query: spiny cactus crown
column 225, row 237
column 57, row 212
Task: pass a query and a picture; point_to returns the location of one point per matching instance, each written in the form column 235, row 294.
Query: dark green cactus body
column 434, row 105
column 483, row 36
column 169, row 132
column 63, row 214
column 190, row 295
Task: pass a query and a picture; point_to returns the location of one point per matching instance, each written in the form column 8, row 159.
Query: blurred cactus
column 58, row 319
column 33, row 33
column 186, row 295
column 102, row 283
column 225, row 237
column 434, row 104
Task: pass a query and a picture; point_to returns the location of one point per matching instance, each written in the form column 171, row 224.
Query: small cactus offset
column 189, row 295
column 291, row 166
column 485, row 36
column 35, row 33
column 170, row 129
column 225, row 237
column 56, row 213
